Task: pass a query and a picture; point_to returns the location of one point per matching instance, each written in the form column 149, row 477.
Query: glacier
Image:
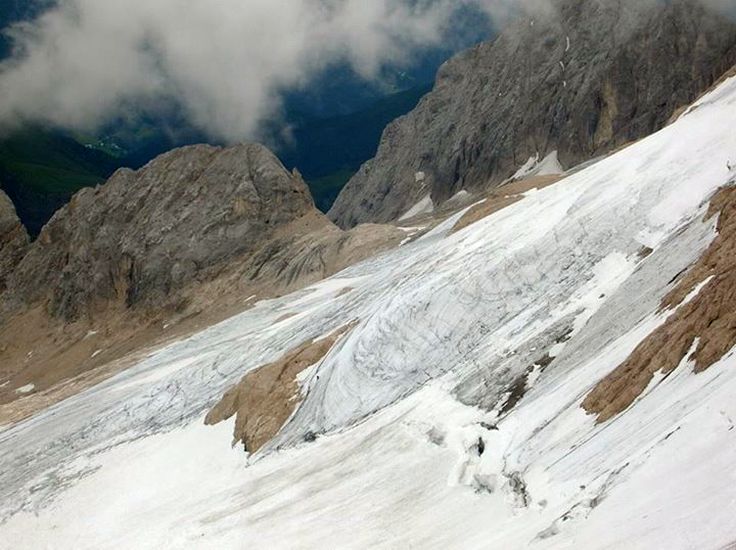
column 414, row 447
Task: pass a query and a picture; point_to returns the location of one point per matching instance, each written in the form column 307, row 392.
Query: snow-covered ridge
column 413, row 449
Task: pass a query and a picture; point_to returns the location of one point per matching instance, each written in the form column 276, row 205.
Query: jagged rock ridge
column 583, row 82
column 144, row 235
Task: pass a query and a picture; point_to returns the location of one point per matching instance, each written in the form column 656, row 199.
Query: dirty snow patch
column 424, row 206
column 548, row 166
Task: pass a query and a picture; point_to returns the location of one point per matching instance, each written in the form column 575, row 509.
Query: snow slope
column 447, row 324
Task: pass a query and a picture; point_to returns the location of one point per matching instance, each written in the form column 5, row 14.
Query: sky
column 225, row 62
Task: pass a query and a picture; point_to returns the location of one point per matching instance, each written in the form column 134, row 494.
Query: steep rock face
column 13, row 239
column 144, row 235
column 586, row 79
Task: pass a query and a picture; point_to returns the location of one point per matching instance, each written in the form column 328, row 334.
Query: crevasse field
column 446, row 324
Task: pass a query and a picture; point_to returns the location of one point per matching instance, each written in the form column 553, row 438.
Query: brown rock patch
column 502, row 197
column 644, row 252
column 710, row 316
column 285, row 317
column 265, row 398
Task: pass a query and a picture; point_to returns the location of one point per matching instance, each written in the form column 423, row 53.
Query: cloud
column 225, row 62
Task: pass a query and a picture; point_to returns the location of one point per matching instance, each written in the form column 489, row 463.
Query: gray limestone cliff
column 584, row 80
column 144, row 236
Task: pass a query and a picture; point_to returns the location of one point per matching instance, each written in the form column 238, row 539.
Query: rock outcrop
column 266, row 397
column 582, row 81
column 13, row 239
column 144, row 236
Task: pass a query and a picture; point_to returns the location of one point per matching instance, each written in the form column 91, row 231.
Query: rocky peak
column 13, row 239
column 582, row 81
column 145, row 235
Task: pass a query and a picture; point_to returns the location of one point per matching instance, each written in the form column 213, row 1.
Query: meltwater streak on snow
column 464, row 305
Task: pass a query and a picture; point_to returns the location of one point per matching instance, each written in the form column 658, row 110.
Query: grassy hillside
column 40, row 170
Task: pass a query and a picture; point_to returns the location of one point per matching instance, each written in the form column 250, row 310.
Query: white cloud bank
column 224, row 61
